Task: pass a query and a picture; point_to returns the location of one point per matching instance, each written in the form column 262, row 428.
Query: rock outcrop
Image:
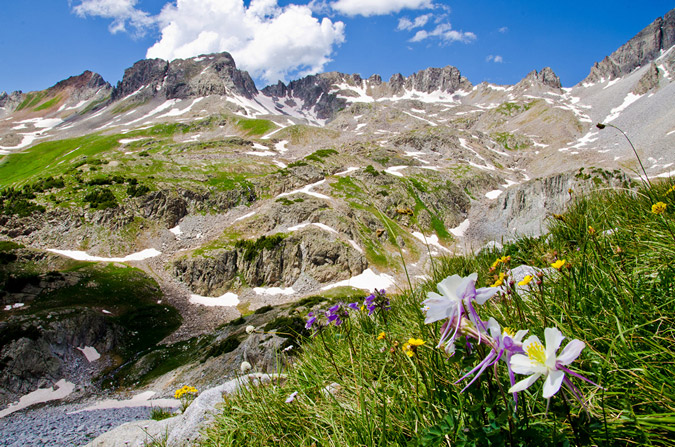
column 545, row 77
column 211, row 74
column 642, row 49
column 648, row 81
column 273, row 261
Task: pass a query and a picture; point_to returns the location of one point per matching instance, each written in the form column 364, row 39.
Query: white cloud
column 445, row 33
column 407, row 24
column 492, row 58
column 269, row 41
column 377, row 7
column 122, row 12
column 503, row 29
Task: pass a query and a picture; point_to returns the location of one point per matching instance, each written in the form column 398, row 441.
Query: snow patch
column 307, row 190
column 351, row 169
column 176, row 230
column 60, row 390
column 394, row 170
column 461, row 229
column 356, row 246
column 367, row 280
column 245, row 216
column 430, row 240
column 83, row 256
column 229, row 299
column 90, row 353
column 493, row 194
column 615, row 112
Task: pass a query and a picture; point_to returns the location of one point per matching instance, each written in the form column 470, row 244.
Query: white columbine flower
column 542, row 361
column 456, row 297
column 250, row 329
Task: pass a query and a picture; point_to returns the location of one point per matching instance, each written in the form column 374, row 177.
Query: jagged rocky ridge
column 642, row 49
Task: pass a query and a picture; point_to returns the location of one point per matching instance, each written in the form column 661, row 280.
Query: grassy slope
column 616, row 296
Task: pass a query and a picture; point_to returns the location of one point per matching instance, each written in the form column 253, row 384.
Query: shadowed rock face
column 640, row 50
column 213, row 74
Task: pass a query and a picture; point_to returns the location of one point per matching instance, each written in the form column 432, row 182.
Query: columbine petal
column 485, row 293
column 522, row 364
column 467, row 288
column 520, row 334
column 440, row 307
column 524, row 384
column 553, row 382
column 571, row 352
column 553, row 338
column 450, row 285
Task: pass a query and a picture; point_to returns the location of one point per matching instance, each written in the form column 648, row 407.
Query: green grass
column 256, row 126
column 48, row 104
column 31, row 100
column 51, row 157
column 616, row 296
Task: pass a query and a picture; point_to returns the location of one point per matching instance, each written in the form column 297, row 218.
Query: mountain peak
column 642, row 49
column 208, row 74
column 546, row 77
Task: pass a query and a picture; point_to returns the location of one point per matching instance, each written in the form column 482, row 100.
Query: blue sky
column 44, row 41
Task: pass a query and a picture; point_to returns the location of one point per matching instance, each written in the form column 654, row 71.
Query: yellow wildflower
column 408, row 350
column 558, row 264
column 659, row 208
column 502, row 260
column 526, row 280
column 672, row 189
column 591, row 230
column 381, row 336
column 180, row 392
column 415, row 342
column 499, row 281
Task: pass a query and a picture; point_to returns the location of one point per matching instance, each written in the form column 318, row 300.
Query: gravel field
column 54, row 426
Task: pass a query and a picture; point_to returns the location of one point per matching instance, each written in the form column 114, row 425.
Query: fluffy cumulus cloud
column 269, row 41
column 123, row 12
column 405, row 24
column 445, row 34
column 495, row 58
column 377, row 7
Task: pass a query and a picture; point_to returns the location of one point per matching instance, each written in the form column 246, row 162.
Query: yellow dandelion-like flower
column 415, row 342
column 381, row 336
column 525, row 280
column 591, row 230
column 407, row 349
column 659, row 208
column 558, row 264
column 672, row 189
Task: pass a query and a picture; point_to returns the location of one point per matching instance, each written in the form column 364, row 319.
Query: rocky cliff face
column 274, row 261
column 212, row 74
column 639, row 51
